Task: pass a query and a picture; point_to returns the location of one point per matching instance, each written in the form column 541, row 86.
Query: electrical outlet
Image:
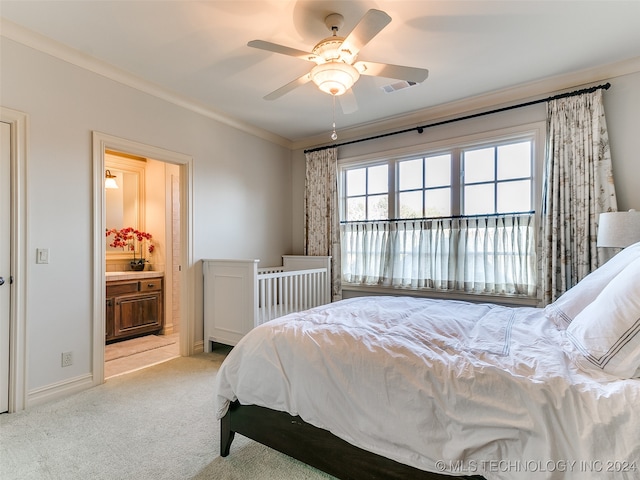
column 67, row 359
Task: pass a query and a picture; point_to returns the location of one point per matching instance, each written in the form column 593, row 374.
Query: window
column 497, row 179
column 368, row 197
column 459, row 218
column 424, row 187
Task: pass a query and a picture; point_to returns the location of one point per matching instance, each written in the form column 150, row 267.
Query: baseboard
column 167, row 330
column 198, row 347
column 58, row 390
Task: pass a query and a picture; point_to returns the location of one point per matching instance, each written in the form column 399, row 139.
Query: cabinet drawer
column 121, row 288
column 150, row 284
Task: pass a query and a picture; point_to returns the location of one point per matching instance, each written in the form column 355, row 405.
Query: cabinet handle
column 150, row 285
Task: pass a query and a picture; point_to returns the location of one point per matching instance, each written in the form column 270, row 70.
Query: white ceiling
column 198, row 50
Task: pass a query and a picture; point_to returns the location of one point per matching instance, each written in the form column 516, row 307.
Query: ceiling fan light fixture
column 329, row 49
column 336, row 69
column 334, row 78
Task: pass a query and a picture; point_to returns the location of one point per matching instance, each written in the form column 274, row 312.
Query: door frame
column 102, row 142
column 18, row 122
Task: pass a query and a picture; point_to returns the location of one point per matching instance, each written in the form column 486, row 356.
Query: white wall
column 241, row 197
column 622, row 109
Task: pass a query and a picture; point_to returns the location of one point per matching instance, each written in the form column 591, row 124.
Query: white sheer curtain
column 479, row 254
column 322, row 222
column 578, row 186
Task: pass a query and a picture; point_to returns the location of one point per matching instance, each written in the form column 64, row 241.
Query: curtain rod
column 450, row 217
column 421, row 128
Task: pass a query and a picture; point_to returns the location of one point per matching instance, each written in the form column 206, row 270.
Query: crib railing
column 239, row 296
column 282, row 292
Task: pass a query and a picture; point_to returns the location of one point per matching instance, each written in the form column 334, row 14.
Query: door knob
column 1, row 280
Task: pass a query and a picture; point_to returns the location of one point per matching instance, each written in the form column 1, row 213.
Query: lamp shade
column 618, row 229
column 110, row 180
column 334, row 78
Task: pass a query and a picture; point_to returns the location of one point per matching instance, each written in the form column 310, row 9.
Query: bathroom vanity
column 135, row 304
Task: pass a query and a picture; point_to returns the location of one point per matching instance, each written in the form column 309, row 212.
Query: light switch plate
column 42, row 255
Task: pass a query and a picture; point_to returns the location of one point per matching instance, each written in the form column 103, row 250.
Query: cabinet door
column 138, row 314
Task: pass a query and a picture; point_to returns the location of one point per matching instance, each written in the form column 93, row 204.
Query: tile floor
column 138, row 361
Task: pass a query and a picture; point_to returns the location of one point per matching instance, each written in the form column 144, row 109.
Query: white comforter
column 443, row 386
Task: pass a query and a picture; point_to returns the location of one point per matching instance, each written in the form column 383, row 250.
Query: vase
column 137, row 265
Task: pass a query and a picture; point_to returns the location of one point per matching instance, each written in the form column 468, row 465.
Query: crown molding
column 58, row 50
column 495, row 99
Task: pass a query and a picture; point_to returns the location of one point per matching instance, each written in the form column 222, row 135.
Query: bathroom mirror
column 124, row 206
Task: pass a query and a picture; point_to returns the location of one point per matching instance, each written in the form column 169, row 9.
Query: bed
column 402, row 387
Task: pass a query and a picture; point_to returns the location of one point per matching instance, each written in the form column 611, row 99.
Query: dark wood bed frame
column 314, row 446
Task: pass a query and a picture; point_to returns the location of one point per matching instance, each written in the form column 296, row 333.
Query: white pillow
column 573, row 301
column 607, row 331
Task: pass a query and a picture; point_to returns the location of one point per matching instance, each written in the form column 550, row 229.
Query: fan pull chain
column 334, row 135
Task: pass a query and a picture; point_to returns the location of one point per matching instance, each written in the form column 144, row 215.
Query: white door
column 5, row 252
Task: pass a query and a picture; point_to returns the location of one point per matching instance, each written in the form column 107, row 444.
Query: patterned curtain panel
column 322, row 222
column 479, row 254
column 578, row 186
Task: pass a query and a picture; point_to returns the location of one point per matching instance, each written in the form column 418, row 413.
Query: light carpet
column 157, row 423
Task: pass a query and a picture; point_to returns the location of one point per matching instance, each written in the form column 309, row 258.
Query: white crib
column 239, row 296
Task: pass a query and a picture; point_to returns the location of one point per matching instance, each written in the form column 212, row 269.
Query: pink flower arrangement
column 131, row 239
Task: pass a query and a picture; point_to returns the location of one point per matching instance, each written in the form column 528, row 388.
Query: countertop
column 113, row 276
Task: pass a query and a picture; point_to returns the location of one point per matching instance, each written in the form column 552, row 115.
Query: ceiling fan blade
column 288, row 87
column 348, row 102
column 274, row 47
column 398, row 72
column 367, row 28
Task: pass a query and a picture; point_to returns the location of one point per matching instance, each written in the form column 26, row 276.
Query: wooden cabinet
column 134, row 307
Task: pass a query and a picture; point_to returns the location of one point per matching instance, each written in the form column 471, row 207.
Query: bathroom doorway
column 144, row 194
column 162, row 206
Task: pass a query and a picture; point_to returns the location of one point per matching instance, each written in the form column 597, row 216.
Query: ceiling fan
column 336, row 68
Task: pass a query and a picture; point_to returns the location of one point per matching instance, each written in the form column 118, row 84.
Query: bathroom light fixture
column 618, row 229
column 110, row 180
